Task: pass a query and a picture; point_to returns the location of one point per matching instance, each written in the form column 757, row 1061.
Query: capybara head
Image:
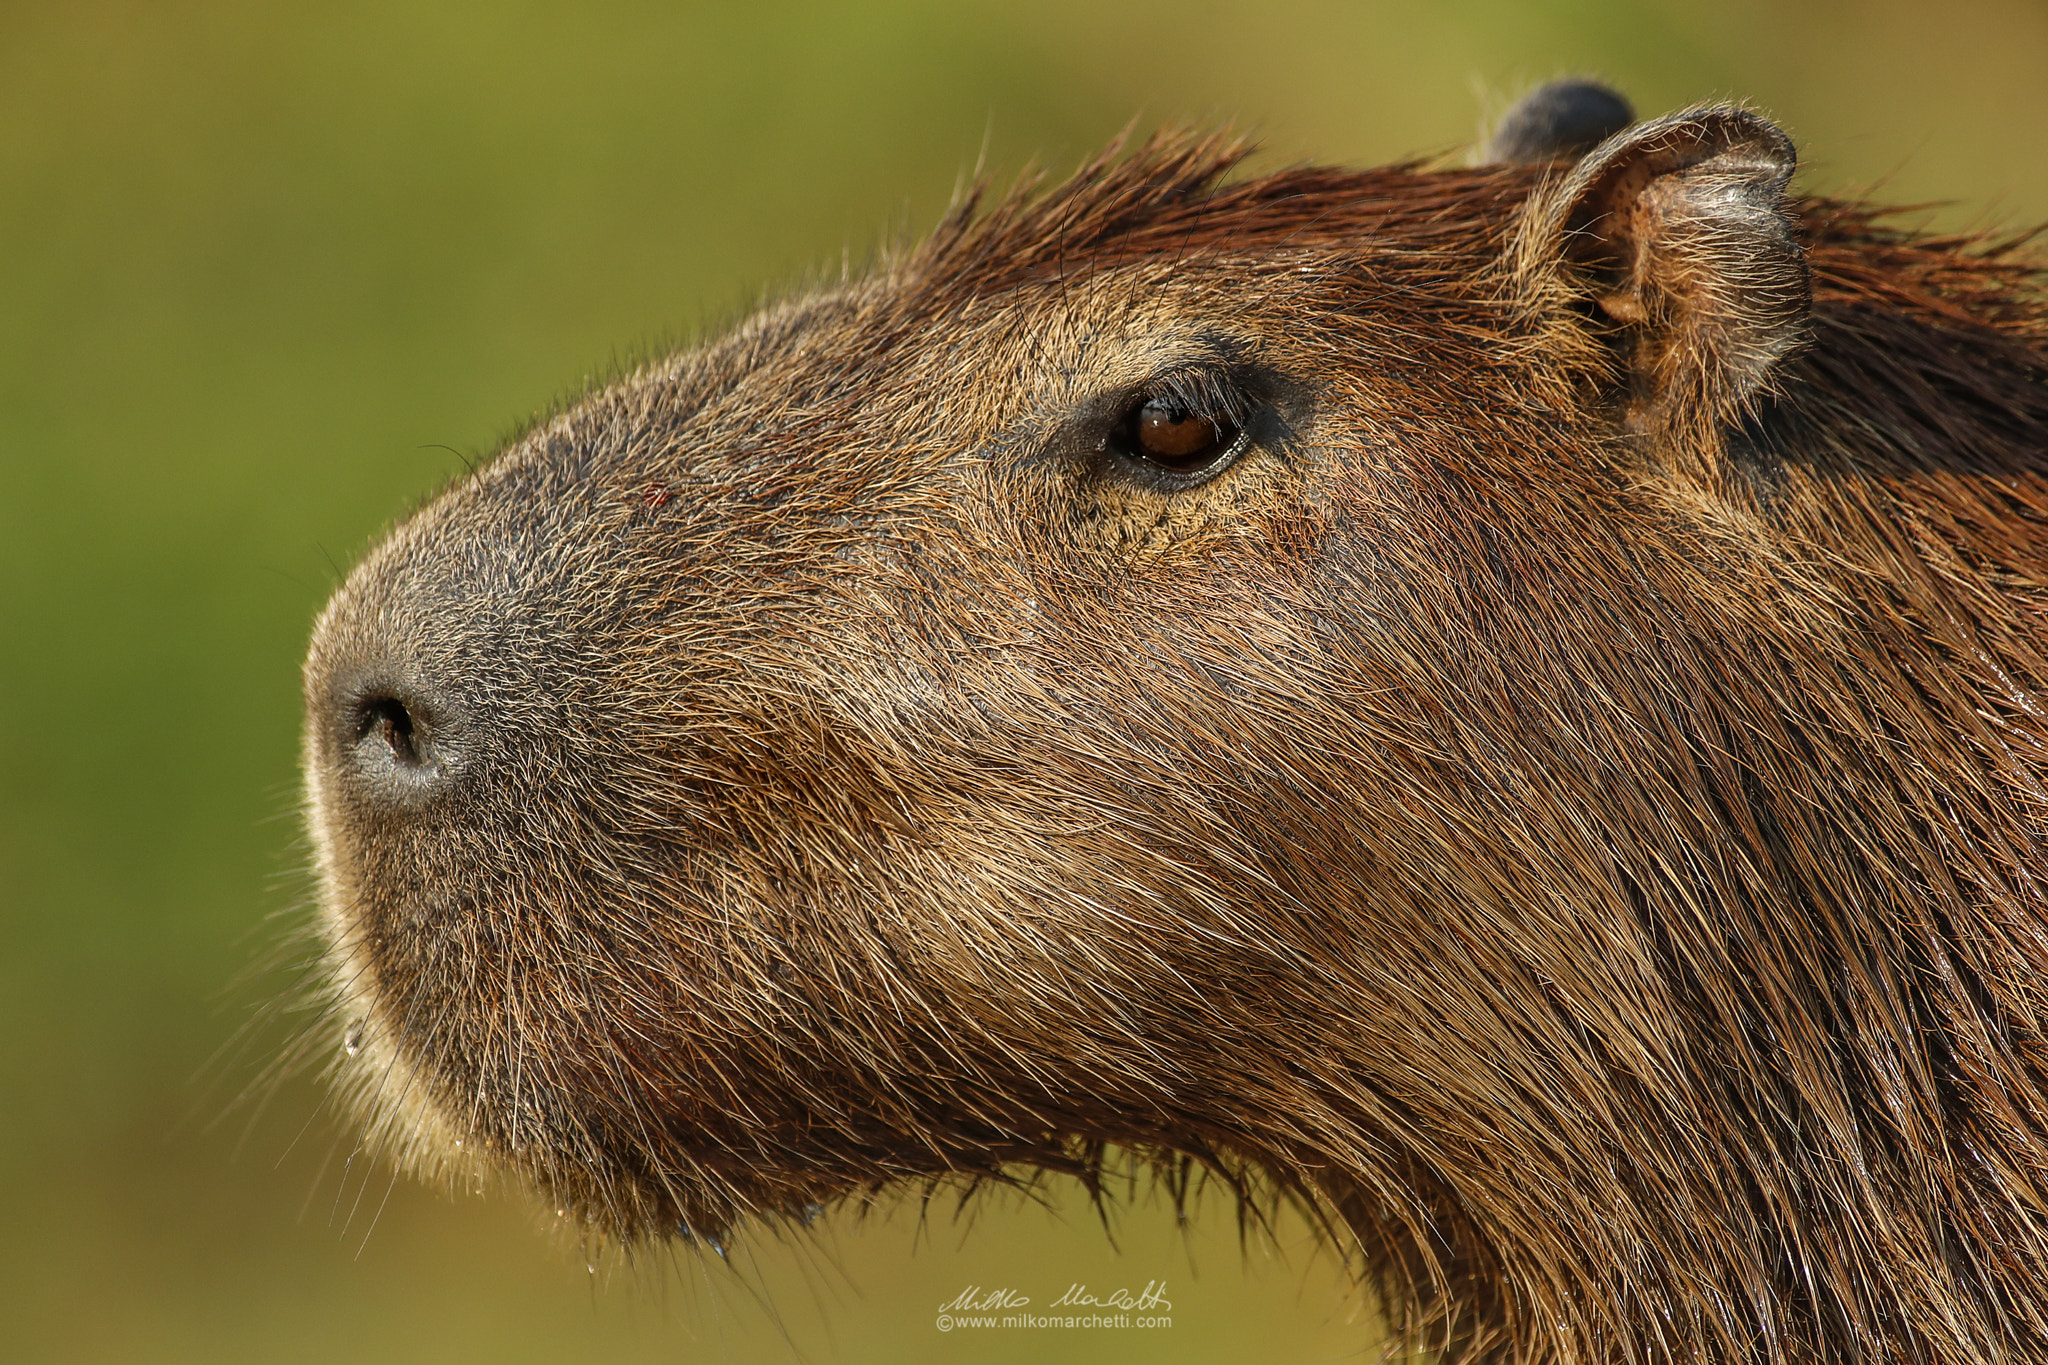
column 1506, row 702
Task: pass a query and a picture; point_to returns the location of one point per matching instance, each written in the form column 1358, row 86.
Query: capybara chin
column 1506, row 702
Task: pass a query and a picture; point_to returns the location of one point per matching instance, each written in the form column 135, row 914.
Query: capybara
column 1504, row 703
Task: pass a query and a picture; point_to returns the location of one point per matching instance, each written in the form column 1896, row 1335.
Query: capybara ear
column 1561, row 121
column 1674, row 236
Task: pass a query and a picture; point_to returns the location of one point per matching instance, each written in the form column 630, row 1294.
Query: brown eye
column 1169, row 435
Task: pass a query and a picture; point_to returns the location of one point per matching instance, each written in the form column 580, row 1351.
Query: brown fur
column 1567, row 801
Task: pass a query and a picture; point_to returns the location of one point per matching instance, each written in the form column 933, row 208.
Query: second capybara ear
column 1674, row 238
column 1561, row 121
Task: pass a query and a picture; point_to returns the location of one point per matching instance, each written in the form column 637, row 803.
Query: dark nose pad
column 402, row 743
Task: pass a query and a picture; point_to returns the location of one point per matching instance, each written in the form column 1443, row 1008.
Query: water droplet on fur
column 716, row 1246
column 685, row 1235
column 352, row 1041
column 809, row 1214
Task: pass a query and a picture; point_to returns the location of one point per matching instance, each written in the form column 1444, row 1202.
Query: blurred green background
column 265, row 270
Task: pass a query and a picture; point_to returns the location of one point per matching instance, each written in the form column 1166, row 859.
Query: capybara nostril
column 389, row 720
column 399, row 743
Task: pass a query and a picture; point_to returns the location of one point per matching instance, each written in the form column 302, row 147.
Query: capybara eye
column 1170, row 435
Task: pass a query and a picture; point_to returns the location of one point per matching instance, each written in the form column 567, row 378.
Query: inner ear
column 1677, row 235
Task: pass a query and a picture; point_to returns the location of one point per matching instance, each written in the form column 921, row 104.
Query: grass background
column 266, row 269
